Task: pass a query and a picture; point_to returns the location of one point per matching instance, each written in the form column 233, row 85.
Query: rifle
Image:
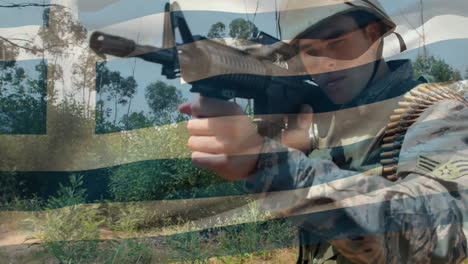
column 220, row 71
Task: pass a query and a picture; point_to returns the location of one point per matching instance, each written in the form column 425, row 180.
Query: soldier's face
column 340, row 57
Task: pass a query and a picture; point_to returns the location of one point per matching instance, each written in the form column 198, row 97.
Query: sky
column 16, row 17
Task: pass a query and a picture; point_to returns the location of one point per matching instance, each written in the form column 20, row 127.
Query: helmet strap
column 376, row 65
column 403, row 46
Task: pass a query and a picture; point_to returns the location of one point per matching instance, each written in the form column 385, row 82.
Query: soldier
column 380, row 179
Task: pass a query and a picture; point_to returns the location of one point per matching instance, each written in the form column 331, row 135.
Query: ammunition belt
column 414, row 104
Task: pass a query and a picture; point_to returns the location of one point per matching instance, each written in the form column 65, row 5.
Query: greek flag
column 94, row 166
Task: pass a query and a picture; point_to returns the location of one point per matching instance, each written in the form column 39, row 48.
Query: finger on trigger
column 211, row 107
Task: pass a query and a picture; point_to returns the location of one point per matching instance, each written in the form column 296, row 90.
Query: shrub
column 159, row 179
column 68, row 195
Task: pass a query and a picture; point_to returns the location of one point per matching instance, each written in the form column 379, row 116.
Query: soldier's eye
column 311, row 52
column 336, row 43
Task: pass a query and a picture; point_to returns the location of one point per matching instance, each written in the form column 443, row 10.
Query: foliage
column 162, row 97
column 217, row 31
column 8, row 55
column 117, row 89
column 73, row 194
column 126, row 251
column 84, row 78
column 255, row 234
column 135, row 120
column 126, row 217
column 61, row 32
column 14, row 194
column 120, row 90
column 19, row 203
column 239, row 29
column 135, row 182
column 242, row 29
column 240, row 239
column 23, row 100
column 103, row 125
column 160, row 179
column 74, row 222
column 435, row 70
column 188, row 245
column 71, row 234
column 10, row 188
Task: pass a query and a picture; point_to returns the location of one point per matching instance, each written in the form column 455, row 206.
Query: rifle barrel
column 103, row 43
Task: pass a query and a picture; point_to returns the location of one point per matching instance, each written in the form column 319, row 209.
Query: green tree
column 8, row 54
column 102, row 81
column 242, row 29
column 73, row 194
column 23, row 100
column 135, row 121
column 61, row 32
column 435, row 70
column 163, row 99
column 117, row 89
column 120, row 91
column 218, row 31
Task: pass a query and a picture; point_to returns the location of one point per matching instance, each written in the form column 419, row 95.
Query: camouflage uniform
column 346, row 210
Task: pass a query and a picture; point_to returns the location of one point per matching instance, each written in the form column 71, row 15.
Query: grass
column 74, row 234
column 278, row 256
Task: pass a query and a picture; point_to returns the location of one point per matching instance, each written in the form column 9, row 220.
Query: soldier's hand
column 223, row 139
column 297, row 135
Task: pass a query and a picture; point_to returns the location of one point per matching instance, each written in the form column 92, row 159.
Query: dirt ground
column 15, row 248
column 280, row 256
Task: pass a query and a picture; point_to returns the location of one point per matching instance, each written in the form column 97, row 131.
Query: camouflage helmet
column 297, row 16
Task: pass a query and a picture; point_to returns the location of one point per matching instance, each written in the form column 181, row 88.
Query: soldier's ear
column 373, row 30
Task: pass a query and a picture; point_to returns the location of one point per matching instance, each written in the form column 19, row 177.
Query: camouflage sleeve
column 420, row 218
